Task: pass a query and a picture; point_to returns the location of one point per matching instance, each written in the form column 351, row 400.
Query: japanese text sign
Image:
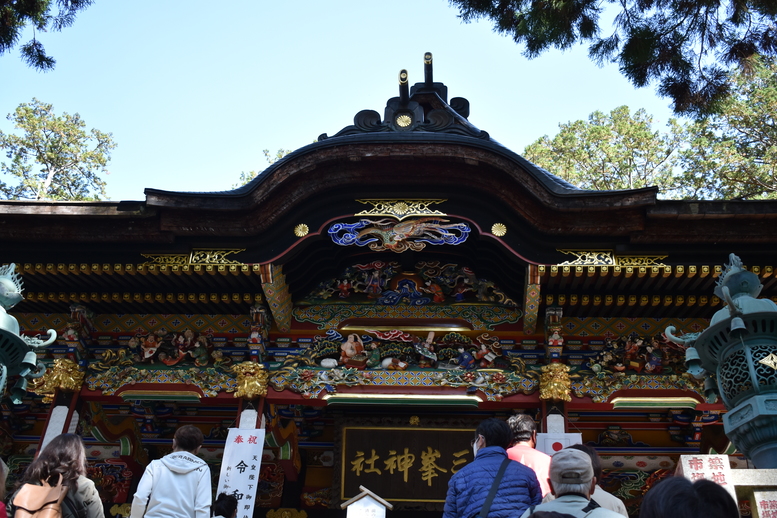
column 407, row 463
column 712, row 467
column 766, row 503
column 240, row 468
column 366, row 507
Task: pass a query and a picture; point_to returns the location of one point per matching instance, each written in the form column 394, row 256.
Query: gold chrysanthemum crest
column 499, row 229
column 301, row 230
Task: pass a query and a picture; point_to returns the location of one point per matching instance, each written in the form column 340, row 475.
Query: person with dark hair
column 524, row 450
column 600, row 496
column 178, row 484
column 572, row 482
column 65, row 456
column 469, row 487
column 3, row 477
column 225, row 506
column 678, row 497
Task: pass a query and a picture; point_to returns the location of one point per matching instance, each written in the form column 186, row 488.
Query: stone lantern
column 739, row 354
column 17, row 352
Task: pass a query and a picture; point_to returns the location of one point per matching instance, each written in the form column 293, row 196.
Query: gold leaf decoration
column 400, row 209
column 63, row 375
column 301, row 230
column 499, row 229
column 251, row 380
column 555, row 384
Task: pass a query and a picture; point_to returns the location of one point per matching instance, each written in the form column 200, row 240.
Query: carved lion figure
column 251, row 380
column 63, row 375
column 555, row 383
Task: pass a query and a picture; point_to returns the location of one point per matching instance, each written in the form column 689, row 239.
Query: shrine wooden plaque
column 402, row 463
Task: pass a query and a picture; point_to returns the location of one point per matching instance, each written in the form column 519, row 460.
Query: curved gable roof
column 420, row 115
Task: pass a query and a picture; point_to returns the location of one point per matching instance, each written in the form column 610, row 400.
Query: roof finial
column 404, row 92
column 428, row 69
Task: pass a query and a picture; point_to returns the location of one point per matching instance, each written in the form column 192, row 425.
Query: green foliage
column 55, row 158
column 271, row 159
column 728, row 154
column 732, row 153
column 400, row 350
column 611, row 151
column 15, row 15
column 454, row 340
column 687, row 46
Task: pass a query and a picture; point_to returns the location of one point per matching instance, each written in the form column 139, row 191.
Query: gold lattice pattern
column 608, row 258
column 400, row 209
column 196, row 256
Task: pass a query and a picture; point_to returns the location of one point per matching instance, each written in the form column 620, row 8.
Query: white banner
column 240, row 468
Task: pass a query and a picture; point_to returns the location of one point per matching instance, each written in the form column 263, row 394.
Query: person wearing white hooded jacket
column 178, row 484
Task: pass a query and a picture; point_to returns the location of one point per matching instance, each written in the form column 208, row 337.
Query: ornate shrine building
column 373, row 296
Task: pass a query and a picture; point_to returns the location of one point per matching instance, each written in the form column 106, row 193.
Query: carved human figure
column 374, row 359
column 148, row 348
column 633, row 345
column 185, row 342
column 434, row 290
column 200, row 351
column 654, row 359
column 461, row 287
column 263, row 320
column 351, row 347
column 344, row 288
column 485, row 355
column 425, row 349
column 374, row 284
column 70, row 334
column 466, row 361
column 556, row 338
column 256, row 335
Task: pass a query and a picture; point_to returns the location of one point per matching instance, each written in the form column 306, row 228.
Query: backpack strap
column 67, row 502
column 592, row 504
column 494, row 487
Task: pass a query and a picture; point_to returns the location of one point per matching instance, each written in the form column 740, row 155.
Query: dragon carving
column 412, row 234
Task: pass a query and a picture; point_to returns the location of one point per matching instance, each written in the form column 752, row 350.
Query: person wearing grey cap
column 600, row 496
column 572, row 482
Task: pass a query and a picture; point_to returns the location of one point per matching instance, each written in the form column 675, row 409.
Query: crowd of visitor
column 176, row 486
column 508, row 478
column 565, row 485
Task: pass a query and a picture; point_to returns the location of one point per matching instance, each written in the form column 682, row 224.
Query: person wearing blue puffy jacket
column 469, row 487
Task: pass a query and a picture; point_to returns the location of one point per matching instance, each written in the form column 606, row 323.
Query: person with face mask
column 468, row 488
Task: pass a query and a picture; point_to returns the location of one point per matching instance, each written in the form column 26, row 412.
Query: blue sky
column 193, row 91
